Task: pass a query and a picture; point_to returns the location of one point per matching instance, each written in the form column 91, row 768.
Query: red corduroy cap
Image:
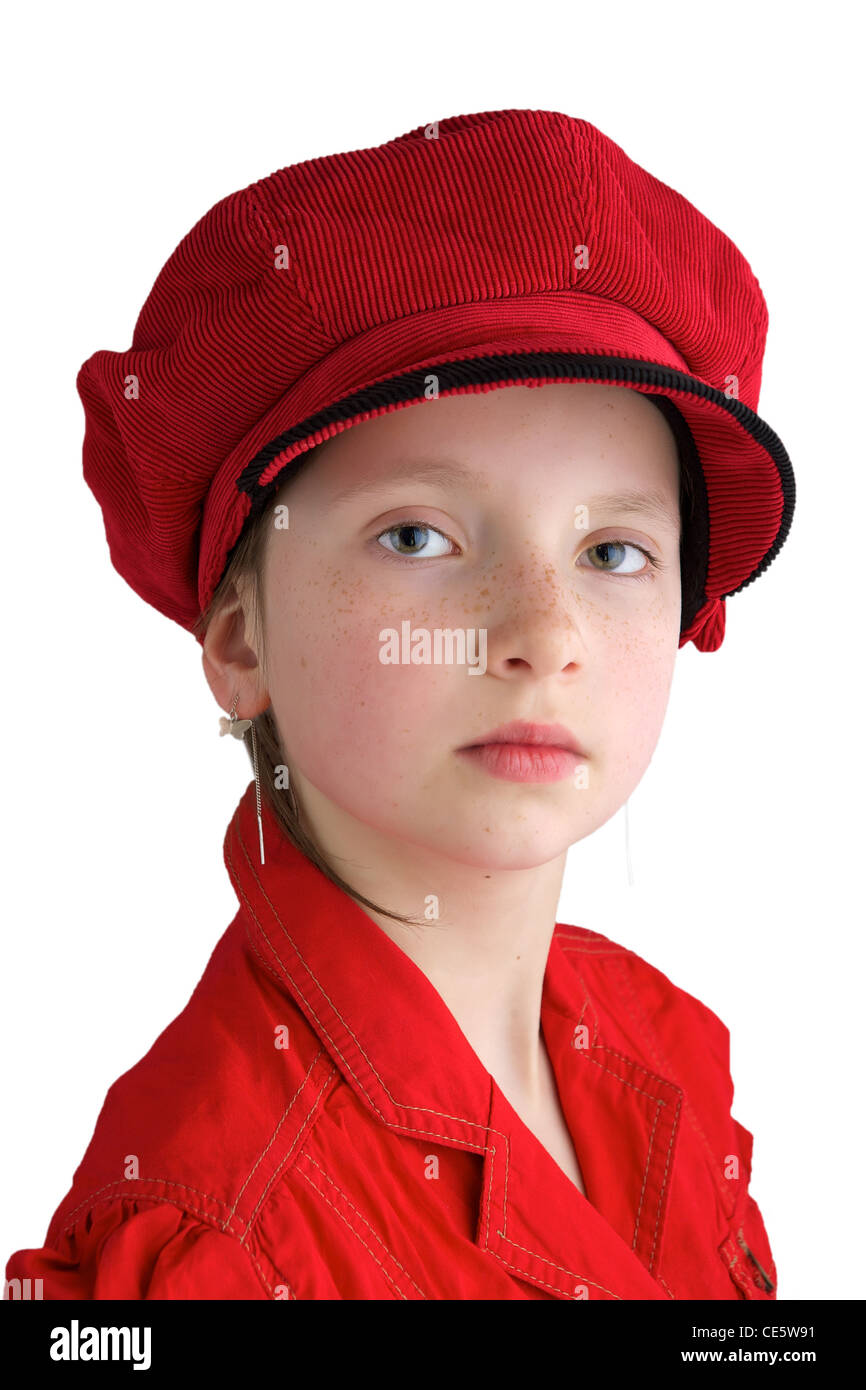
column 497, row 249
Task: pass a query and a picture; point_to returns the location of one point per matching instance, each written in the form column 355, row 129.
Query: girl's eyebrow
column 442, row 471
column 446, row 472
column 633, row 500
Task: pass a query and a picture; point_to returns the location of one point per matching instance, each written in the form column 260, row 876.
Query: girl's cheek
column 637, row 682
column 327, row 679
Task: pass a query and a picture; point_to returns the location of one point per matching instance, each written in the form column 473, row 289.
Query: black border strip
column 519, row 366
column 694, row 513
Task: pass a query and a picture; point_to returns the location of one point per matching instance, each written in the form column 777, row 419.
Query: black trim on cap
column 520, row 366
column 694, row 514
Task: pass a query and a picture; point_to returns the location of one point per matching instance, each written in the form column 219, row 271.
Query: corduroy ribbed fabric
column 488, row 250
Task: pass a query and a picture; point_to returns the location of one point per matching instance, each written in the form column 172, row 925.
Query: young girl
column 443, row 616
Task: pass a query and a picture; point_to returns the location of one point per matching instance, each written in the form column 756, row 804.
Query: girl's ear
column 231, row 665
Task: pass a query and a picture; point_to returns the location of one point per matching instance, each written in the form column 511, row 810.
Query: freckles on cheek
column 375, row 707
column 336, row 692
column 633, row 690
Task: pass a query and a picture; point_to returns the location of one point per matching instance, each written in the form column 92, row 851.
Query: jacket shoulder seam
column 585, row 942
column 189, row 1208
column 123, row 1188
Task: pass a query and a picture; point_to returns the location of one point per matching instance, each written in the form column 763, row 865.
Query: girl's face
column 577, row 633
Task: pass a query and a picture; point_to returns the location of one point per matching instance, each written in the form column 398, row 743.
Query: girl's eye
column 411, row 534
column 411, row 541
column 606, row 547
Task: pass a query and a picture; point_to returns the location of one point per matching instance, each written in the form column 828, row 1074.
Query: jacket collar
column 400, row 1049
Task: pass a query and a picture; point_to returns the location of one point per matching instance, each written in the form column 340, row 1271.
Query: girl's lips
column 524, row 762
column 522, row 731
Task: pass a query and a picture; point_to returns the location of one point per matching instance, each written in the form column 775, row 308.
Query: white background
column 123, row 125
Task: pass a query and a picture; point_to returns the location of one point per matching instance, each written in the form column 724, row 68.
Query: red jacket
column 314, row 1124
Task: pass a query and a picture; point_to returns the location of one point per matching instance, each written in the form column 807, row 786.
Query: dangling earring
column 295, row 811
column 238, row 727
column 627, row 853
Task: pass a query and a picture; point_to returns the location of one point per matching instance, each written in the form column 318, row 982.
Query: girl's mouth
column 523, row 762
